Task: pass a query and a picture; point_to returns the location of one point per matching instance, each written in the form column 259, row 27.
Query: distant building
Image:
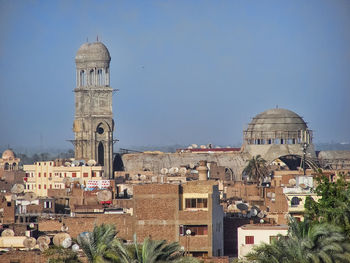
column 9, row 162
column 93, row 125
column 42, row 176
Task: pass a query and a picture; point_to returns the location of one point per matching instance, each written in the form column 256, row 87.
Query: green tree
column 333, row 206
column 305, row 243
column 256, row 169
column 151, row 251
column 98, row 243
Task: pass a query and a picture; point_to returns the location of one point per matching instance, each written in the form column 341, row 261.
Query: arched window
column 92, row 77
column 82, row 78
column 101, row 154
column 295, row 201
column 100, row 77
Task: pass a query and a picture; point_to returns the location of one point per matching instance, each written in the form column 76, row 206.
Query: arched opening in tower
column 101, row 154
column 290, row 162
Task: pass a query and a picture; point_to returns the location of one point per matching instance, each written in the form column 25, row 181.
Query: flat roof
column 264, row 227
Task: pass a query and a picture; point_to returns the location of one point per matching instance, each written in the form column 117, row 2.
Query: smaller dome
column 89, row 52
column 8, row 155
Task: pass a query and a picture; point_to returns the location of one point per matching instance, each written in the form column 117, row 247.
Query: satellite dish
column 143, row 177
column 194, row 146
column 14, row 197
column 304, row 186
column 242, row 206
column 67, row 180
column 17, row 189
column 273, row 195
column 43, row 246
column 261, row 214
column 82, row 162
column 262, row 221
column 249, row 215
column 182, row 170
column 75, row 247
column 292, row 182
column 30, row 196
column 253, row 211
column 67, row 242
column 67, row 164
column 188, row 232
column 104, row 195
column 59, row 238
column 75, row 163
column 173, row 170
column 91, row 162
column 203, row 147
column 269, row 195
column 43, row 239
column 8, row 233
column 29, row 242
column 64, row 228
column 31, row 225
column 164, row 171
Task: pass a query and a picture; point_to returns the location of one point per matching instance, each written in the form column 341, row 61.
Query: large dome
column 8, row 155
column 89, row 52
column 277, row 120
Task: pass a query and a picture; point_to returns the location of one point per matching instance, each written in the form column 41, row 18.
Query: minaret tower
column 93, row 125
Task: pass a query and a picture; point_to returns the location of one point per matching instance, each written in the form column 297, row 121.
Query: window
column 47, row 204
column 39, row 186
column 50, row 174
column 199, row 230
column 196, row 202
column 74, row 174
column 44, row 186
column 39, row 175
column 50, row 186
column 93, row 174
column 249, row 240
column 295, row 201
column 85, row 174
column 44, row 174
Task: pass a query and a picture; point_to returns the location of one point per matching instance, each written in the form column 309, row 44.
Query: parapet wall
column 156, row 161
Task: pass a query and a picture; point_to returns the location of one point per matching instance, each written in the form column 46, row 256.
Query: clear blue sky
column 188, row 71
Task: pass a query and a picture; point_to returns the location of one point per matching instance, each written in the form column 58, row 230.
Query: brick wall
column 22, row 257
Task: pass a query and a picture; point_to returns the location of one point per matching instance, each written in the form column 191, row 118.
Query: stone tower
column 93, row 125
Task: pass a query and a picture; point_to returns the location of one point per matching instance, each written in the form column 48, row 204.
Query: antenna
column 8, row 233
column 97, row 38
column 242, row 206
column 43, row 246
column 44, row 240
column 17, row 189
column 29, row 242
column 104, row 195
column 59, row 238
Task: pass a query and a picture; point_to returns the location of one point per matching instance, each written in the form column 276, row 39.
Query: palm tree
column 98, row 243
column 151, row 251
column 256, row 168
column 305, row 243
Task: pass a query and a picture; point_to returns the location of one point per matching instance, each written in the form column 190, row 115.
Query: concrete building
column 250, row 235
column 93, row 125
column 42, row 176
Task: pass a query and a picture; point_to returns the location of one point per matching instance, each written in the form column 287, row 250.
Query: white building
column 251, row 235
